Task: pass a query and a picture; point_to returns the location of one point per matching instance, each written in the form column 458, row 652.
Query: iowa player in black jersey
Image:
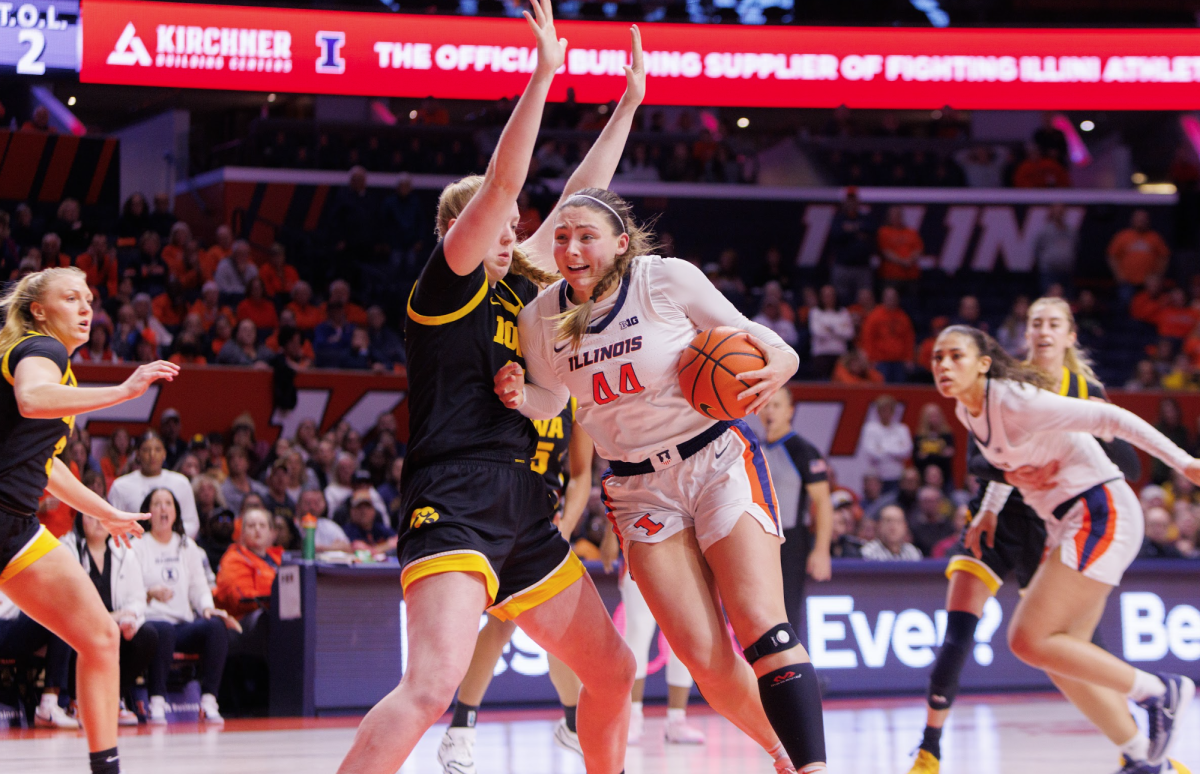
column 977, row 572
column 564, row 458
column 477, row 531
column 48, row 316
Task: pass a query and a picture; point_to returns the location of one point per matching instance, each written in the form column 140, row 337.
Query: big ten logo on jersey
column 423, row 516
column 632, row 321
column 507, row 335
column 549, row 430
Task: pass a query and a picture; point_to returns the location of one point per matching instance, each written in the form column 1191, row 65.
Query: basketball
column 708, row 372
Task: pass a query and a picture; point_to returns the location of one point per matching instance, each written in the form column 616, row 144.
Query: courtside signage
column 327, row 52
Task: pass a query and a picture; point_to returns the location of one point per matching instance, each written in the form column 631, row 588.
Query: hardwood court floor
column 987, row 735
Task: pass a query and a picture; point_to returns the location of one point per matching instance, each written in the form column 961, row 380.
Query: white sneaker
column 566, row 738
column 53, row 716
column 637, row 725
column 209, row 712
column 457, row 751
column 158, row 711
column 680, row 732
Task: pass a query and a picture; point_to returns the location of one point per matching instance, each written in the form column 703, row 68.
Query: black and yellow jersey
column 460, row 331
column 1073, row 385
column 28, row 446
column 554, row 438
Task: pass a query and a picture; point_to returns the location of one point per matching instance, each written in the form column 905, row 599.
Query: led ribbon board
column 326, row 52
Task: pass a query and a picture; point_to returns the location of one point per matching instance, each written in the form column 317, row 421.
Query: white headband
column 603, row 204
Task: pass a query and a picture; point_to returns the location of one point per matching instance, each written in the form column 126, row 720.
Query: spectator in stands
column 1054, row 250
column 212, row 257
column 1174, row 318
column 25, row 230
column 10, row 251
column 278, row 502
column 638, row 166
column 854, row 368
column 235, row 272
column 969, row 314
column 887, row 442
column 208, row 307
column 219, row 335
column 144, row 319
column 180, row 607
column 148, row 270
column 299, row 476
column 52, row 255
column 258, row 307
column 1181, row 377
column 389, row 490
column 134, row 220
column 891, row 543
column 162, row 217
column 354, row 219
column 934, row 443
column 1134, row 254
column 403, row 216
column 116, row 458
column 127, row 492
column 1170, row 423
column 20, row 638
column 831, row 330
column 386, row 345
column 1011, row 333
column 932, row 520
column 248, row 569
column 1145, row 378
column 306, row 439
column 961, row 518
column 332, row 338
column 243, row 349
column 239, row 483
column 177, row 239
column 97, row 350
column 308, row 315
column 39, row 121
column 170, row 307
column 777, row 315
column 1157, row 543
column 366, row 528
column 339, row 293
column 888, row 339
column 360, row 481
column 322, row 462
column 174, row 445
column 68, row 225
column 850, row 247
column 189, row 274
column 329, row 537
column 118, row 577
column 844, row 545
column 216, row 520
column 1041, row 170
column 983, row 166
column 278, row 277
column 100, row 264
column 900, row 248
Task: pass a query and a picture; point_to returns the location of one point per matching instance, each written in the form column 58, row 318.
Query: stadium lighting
column 270, row 98
column 1086, row 126
column 70, row 102
column 743, row 122
column 1138, row 178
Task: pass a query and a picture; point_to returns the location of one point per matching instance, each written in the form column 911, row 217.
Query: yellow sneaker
column 925, row 763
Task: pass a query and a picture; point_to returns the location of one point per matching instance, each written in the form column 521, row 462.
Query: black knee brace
column 960, row 641
column 782, row 637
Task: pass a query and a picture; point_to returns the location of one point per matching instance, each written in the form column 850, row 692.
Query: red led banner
column 326, row 52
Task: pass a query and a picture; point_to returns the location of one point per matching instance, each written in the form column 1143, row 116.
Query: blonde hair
column 572, row 324
column 454, row 199
column 16, row 302
column 1075, row 358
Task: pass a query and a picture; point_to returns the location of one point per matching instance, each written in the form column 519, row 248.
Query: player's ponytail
column 1004, row 365
column 17, row 300
column 573, row 324
column 1075, row 358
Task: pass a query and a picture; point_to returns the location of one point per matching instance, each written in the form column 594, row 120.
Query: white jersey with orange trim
column 625, row 372
column 1021, row 425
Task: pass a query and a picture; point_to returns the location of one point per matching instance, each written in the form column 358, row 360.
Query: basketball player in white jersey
column 690, row 497
column 1094, row 527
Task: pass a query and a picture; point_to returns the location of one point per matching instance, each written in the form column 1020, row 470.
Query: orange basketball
column 708, row 372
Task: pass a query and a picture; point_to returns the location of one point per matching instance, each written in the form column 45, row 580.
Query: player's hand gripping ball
column 709, row 368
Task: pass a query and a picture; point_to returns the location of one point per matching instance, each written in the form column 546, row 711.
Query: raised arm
column 482, row 220
column 40, row 393
column 600, row 164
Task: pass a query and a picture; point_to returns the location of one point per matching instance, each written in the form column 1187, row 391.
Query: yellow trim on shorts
column 43, row 543
column 442, row 319
column 451, row 561
column 567, row 572
column 973, row 566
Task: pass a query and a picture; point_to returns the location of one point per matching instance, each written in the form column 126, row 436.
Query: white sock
column 777, row 752
column 49, row 700
column 676, row 715
column 1137, row 748
column 1146, row 686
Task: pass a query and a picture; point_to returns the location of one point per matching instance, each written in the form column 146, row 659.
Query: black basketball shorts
column 1020, row 545
column 491, row 518
column 23, row 540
